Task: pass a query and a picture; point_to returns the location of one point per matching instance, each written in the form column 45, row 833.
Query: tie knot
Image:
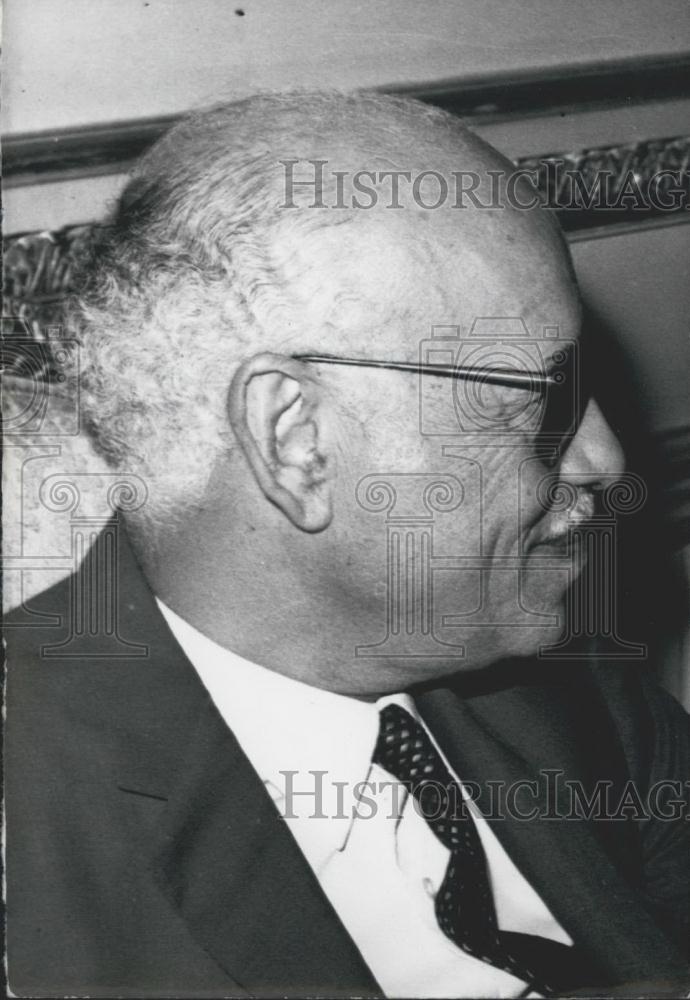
column 405, row 750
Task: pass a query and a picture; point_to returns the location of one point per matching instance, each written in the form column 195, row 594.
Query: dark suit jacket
column 144, row 857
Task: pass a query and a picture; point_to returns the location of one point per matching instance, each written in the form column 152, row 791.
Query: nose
column 594, row 454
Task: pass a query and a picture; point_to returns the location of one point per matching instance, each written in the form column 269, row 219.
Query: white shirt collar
column 284, row 725
column 380, row 881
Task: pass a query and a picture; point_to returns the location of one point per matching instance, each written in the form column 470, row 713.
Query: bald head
column 218, row 251
column 282, row 189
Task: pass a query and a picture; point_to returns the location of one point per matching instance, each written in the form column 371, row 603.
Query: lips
column 561, row 524
column 554, row 541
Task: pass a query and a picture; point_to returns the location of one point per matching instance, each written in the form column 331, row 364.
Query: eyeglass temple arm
column 492, row 376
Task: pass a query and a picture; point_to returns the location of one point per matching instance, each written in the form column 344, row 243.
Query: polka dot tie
column 464, row 903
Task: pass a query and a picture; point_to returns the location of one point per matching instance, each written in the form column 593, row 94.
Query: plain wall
column 74, row 62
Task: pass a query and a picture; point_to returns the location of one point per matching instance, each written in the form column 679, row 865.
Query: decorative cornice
column 38, row 276
column 614, row 184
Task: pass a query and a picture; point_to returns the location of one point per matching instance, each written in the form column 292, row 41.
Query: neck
column 265, row 600
column 284, row 599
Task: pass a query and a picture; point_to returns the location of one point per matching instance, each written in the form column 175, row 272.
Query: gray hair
column 186, row 280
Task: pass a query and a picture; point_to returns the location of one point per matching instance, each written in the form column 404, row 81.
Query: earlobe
column 273, row 410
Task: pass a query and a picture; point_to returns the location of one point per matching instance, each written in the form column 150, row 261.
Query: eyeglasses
column 563, row 392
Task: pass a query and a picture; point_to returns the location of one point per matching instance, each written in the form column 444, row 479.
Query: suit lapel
column 220, row 852
column 514, row 735
column 226, row 860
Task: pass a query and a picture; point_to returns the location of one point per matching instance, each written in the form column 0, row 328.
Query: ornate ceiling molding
column 614, row 184
column 38, row 276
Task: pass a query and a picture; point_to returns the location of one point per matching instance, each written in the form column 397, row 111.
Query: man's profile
column 181, row 821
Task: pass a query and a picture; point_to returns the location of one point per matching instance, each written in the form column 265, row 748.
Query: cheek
column 508, row 505
column 393, row 443
column 502, row 524
column 392, row 440
column 500, row 485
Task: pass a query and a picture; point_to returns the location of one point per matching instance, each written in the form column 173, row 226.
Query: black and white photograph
column 346, row 499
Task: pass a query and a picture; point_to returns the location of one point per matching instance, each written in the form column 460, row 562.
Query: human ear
column 274, row 411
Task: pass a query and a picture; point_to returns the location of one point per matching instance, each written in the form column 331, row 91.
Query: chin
column 535, row 642
column 543, row 590
column 543, row 616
